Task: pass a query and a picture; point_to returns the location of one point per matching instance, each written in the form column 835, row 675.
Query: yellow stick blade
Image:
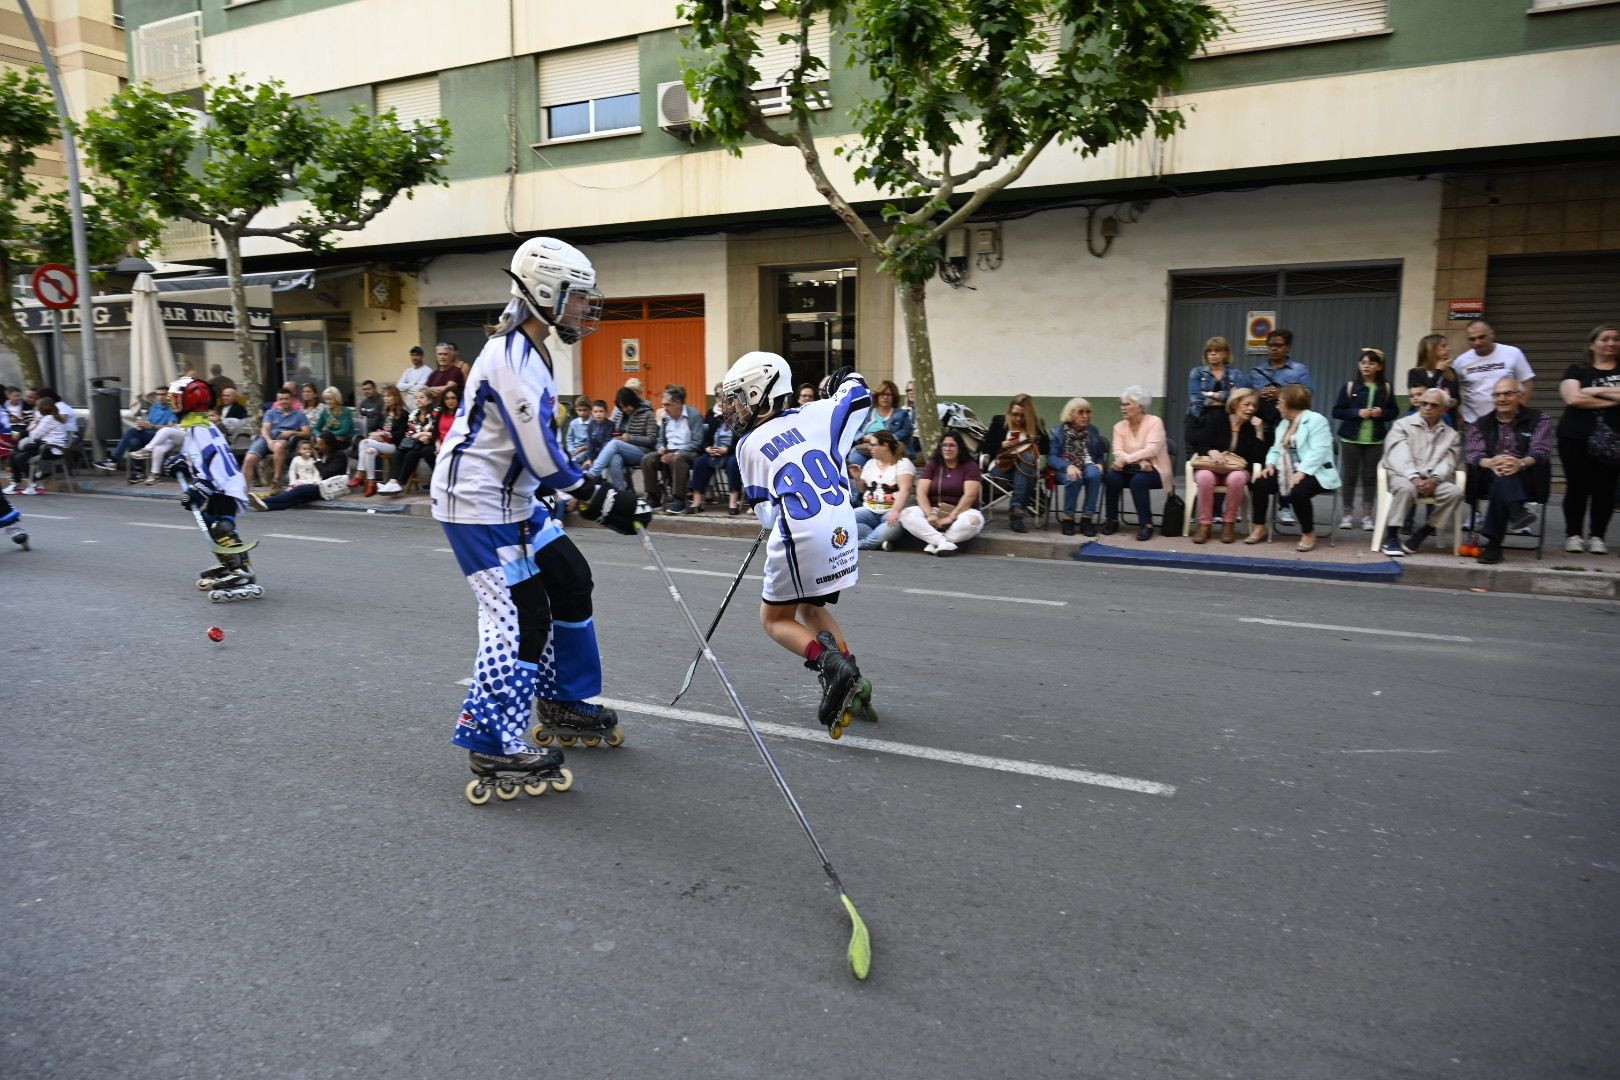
column 860, row 942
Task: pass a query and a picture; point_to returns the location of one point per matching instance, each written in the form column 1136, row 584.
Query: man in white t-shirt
column 1487, row 362
column 414, row 377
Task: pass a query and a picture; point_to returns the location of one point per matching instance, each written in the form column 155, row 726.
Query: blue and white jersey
column 209, row 455
column 793, row 469
column 502, row 445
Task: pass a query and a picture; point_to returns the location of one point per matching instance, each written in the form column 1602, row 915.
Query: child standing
column 792, row 459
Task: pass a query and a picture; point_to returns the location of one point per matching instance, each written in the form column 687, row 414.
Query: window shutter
column 1265, row 24
column 586, row 74
column 168, row 53
column 776, row 58
column 411, row 99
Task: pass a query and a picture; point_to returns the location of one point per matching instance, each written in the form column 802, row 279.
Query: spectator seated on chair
column 1508, row 450
column 158, row 415
column 1015, row 449
column 680, row 437
column 309, row 475
column 1141, row 462
column 807, row 393
column 1227, row 442
column 1079, row 456
column 1299, row 465
column 598, row 432
column 48, row 439
column 577, row 432
column 634, row 435
column 946, row 513
column 284, row 423
column 416, row 445
column 16, row 409
column 1420, row 462
column 713, row 456
column 370, row 406
column 888, row 414
column 230, row 414
column 383, row 440
column 334, row 418
column 887, row 480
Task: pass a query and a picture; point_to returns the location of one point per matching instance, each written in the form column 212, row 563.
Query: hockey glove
column 830, row 385
column 178, row 466
column 196, row 497
column 620, row 511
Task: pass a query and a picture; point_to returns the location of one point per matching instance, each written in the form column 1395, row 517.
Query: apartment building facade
column 1360, row 171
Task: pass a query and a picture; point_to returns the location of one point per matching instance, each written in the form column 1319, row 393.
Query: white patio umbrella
column 151, row 358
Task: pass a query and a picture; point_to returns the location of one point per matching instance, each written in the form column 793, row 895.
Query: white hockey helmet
column 559, row 283
column 755, row 382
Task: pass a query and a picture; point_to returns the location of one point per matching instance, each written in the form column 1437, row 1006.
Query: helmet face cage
column 577, row 313
column 752, row 385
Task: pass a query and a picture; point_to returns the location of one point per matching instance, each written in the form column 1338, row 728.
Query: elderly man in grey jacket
column 1421, row 453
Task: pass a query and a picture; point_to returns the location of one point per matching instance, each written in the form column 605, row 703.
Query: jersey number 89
column 802, row 495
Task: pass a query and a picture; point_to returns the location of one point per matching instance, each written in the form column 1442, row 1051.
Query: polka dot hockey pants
column 536, row 637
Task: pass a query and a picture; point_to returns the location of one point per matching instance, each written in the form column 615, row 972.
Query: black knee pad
column 567, row 578
column 534, row 618
column 222, row 529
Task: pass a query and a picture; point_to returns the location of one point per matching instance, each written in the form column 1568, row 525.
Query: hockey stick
column 691, row 669
column 860, row 941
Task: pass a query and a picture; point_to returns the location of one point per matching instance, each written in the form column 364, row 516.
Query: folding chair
column 1381, row 520
column 1477, row 492
column 1245, row 515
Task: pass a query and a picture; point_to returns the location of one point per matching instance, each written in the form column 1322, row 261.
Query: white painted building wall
column 1054, row 321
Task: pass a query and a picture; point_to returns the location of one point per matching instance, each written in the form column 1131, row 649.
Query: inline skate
column 503, row 775
column 571, row 721
column 19, row 536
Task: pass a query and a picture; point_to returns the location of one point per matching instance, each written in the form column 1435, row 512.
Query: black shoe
column 1491, row 555
column 1068, row 528
column 1110, row 527
column 733, row 510
column 109, row 465
column 1414, row 543
column 1088, row 528
column 1145, row 533
column 1523, row 522
column 676, row 508
column 1016, row 521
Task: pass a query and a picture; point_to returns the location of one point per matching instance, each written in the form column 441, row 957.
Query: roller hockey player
column 537, row 639
column 792, row 464
column 215, row 491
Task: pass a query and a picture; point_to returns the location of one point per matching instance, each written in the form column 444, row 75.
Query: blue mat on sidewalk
column 1386, row 571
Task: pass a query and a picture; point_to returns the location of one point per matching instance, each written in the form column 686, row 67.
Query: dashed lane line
column 708, row 573
column 47, row 517
column 980, row 596
column 1378, row 630
column 311, row 539
column 160, row 525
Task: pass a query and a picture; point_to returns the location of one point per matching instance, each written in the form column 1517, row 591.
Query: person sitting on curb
column 1420, row 460
column 1507, row 453
column 946, row 513
column 887, row 480
column 311, row 478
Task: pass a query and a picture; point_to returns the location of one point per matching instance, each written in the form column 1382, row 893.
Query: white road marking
column 311, row 539
column 160, row 525
column 978, row 596
column 447, row 551
column 1361, row 630
column 1394, row 751
column 709, row 573
column 48, row 517
column 860, row 742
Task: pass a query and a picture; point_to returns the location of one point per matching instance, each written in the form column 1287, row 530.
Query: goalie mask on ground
column 755, row 383
column 559, row 283
column 191, row 395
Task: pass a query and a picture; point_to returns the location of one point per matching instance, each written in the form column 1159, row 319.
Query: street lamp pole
column 81, row 244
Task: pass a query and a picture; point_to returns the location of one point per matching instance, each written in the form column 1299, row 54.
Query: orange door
column 668, row 337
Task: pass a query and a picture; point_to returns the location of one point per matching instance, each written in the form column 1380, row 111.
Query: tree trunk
column 11, row 332
column 241, row 331
column 913, row 307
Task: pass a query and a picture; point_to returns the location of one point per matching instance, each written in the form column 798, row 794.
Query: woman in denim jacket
column 887, row 415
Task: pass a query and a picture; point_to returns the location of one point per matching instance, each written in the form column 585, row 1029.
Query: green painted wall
column 474, row 100
column 337, row 103
column 1423, row 32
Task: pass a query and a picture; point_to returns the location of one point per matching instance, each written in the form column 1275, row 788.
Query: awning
column 286, row 281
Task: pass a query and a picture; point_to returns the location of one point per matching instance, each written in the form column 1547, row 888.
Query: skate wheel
column 615, row 738
column 535, row 788
column 567, row 740
column 835, row 732
column 539, row 738
column 591, row 741
column 255, row 591
column 869, row 714
column 563, row 781
column 203, row 583
column 216, row 597
column 478, row 792
column 506, row 790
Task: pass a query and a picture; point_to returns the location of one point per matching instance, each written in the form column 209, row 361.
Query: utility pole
column 81, row 245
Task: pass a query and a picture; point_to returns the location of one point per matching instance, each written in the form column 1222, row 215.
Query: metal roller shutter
column 413, row 100
column 776, row 58
column 1546, row 305
column 1266, row 24
column 600, row 71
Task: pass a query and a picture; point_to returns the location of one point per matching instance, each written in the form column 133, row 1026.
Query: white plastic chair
column 1381, row 521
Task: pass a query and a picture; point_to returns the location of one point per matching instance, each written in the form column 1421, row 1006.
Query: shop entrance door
column 658, row 340
column 816, row 318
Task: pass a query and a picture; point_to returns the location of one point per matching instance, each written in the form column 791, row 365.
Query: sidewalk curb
column 1518, row 579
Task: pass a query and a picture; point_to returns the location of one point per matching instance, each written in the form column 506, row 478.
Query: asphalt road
column 1384, row 844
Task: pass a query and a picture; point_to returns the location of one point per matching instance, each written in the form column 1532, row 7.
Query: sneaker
column 142, row 454
column 256, row 502
column 944, row 547
column 390, row 488
column 1415, row 542
column 37, row 489
column 887, row 545
column 1596, row 546
column 1285, row 516
column 930, row 549
column 1366, row 523
column 10, row 489
column 1088, row 528
column 675, row 508
column 1392, row 547
column 1348, row 522
column 107, row 465
column 1491, row 555
column 1575, row 545
column 1523, row 522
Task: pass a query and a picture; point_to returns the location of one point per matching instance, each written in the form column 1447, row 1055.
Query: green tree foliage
column 962, row 101
column 257, row 148
column 36, row 228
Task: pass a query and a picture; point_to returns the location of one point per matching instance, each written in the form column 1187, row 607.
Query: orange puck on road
column 216, row 634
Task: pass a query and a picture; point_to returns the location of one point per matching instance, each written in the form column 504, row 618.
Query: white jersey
column 210, row 457
column 502, row 445
column 793, row 470
column 1480, row 374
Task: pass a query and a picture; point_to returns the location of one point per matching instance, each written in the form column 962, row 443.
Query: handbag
column 1218, row 466
column 1603, row 444
column 1174, row 521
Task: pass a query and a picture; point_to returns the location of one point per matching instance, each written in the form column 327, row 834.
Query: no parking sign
column 55, row 286
column 1259, row 326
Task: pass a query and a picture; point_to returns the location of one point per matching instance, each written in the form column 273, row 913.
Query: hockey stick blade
column 691, row 669
column 860, row 941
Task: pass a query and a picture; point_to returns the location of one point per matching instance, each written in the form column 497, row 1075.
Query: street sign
column 55, row 286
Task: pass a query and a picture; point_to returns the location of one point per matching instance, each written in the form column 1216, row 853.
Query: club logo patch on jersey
column 525, row 410
column 840, row 537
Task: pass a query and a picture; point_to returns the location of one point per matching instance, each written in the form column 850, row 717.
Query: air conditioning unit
column 678, row 112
